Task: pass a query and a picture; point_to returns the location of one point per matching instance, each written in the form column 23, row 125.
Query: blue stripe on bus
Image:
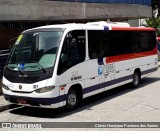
column 85, row 90
column 106, row 28
column 113, row 82
column 109, row 83
column 100, row 61
column 149, row 71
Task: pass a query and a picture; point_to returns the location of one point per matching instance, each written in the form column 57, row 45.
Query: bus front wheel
column 72, row 100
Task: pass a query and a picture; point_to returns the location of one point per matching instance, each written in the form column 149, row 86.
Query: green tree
column 155, row 23
column 155, row 20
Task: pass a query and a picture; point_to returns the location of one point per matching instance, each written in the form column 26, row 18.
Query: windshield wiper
column 43, row 69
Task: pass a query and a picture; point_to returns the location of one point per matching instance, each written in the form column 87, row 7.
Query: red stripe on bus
column 133, row 28
column 130, row 56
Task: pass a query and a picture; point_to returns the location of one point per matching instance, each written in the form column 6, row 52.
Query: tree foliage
column 155, row 23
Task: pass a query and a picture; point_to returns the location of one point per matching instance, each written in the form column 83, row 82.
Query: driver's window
column 73, row 50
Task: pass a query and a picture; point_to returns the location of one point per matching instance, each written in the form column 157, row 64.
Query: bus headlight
column 5, row 87
column 45, row 89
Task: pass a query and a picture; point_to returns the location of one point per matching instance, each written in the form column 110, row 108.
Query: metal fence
column 140, row 2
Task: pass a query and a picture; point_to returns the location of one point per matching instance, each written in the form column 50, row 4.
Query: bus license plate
column 22, row 101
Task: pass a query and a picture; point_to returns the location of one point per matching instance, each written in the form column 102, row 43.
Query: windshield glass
column 34, row 51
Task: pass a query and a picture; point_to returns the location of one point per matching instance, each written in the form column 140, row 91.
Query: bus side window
column 98, row 43
column 73, row 50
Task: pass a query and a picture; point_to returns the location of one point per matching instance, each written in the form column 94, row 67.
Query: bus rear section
column 123, row 55
column 78, row 61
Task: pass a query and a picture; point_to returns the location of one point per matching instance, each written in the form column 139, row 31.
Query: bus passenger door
column 97, row 52
column 94, row 78
column 71, row 60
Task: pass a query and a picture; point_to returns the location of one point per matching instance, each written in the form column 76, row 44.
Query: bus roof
column 102, row 25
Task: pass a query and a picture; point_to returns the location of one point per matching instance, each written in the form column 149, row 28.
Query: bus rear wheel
column 72, row 100
column 136, row 79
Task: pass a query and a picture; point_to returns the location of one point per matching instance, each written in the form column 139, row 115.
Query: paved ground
column 123, row 104
column 3, row 103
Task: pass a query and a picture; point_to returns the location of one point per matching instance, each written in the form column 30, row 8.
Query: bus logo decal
column 100, row 70
column 20, row 87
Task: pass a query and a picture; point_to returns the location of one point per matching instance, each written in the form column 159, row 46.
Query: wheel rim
column 72, row 99
column 135, row 79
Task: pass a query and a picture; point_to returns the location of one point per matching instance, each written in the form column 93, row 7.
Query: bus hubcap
column 135, row 80
column 72, row 99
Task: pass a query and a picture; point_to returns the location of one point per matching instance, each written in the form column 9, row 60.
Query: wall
column 56, row 10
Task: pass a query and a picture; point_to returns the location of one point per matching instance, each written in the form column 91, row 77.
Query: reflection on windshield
column 34, row 51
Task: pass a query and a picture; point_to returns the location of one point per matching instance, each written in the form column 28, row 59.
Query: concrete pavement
column 4, row 105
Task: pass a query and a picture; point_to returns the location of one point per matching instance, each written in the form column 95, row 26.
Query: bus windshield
column 34, row 51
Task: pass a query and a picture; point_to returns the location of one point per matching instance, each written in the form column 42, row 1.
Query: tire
column 72, row 100
column 136, row 79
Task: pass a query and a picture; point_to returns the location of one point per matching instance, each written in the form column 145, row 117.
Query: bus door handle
column 127, row 69
column 93, row 78
column 117, row 71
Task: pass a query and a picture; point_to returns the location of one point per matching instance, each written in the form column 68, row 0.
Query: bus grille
column 22, row 79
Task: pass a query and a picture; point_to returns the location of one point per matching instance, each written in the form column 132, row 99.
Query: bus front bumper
column 35, row 102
